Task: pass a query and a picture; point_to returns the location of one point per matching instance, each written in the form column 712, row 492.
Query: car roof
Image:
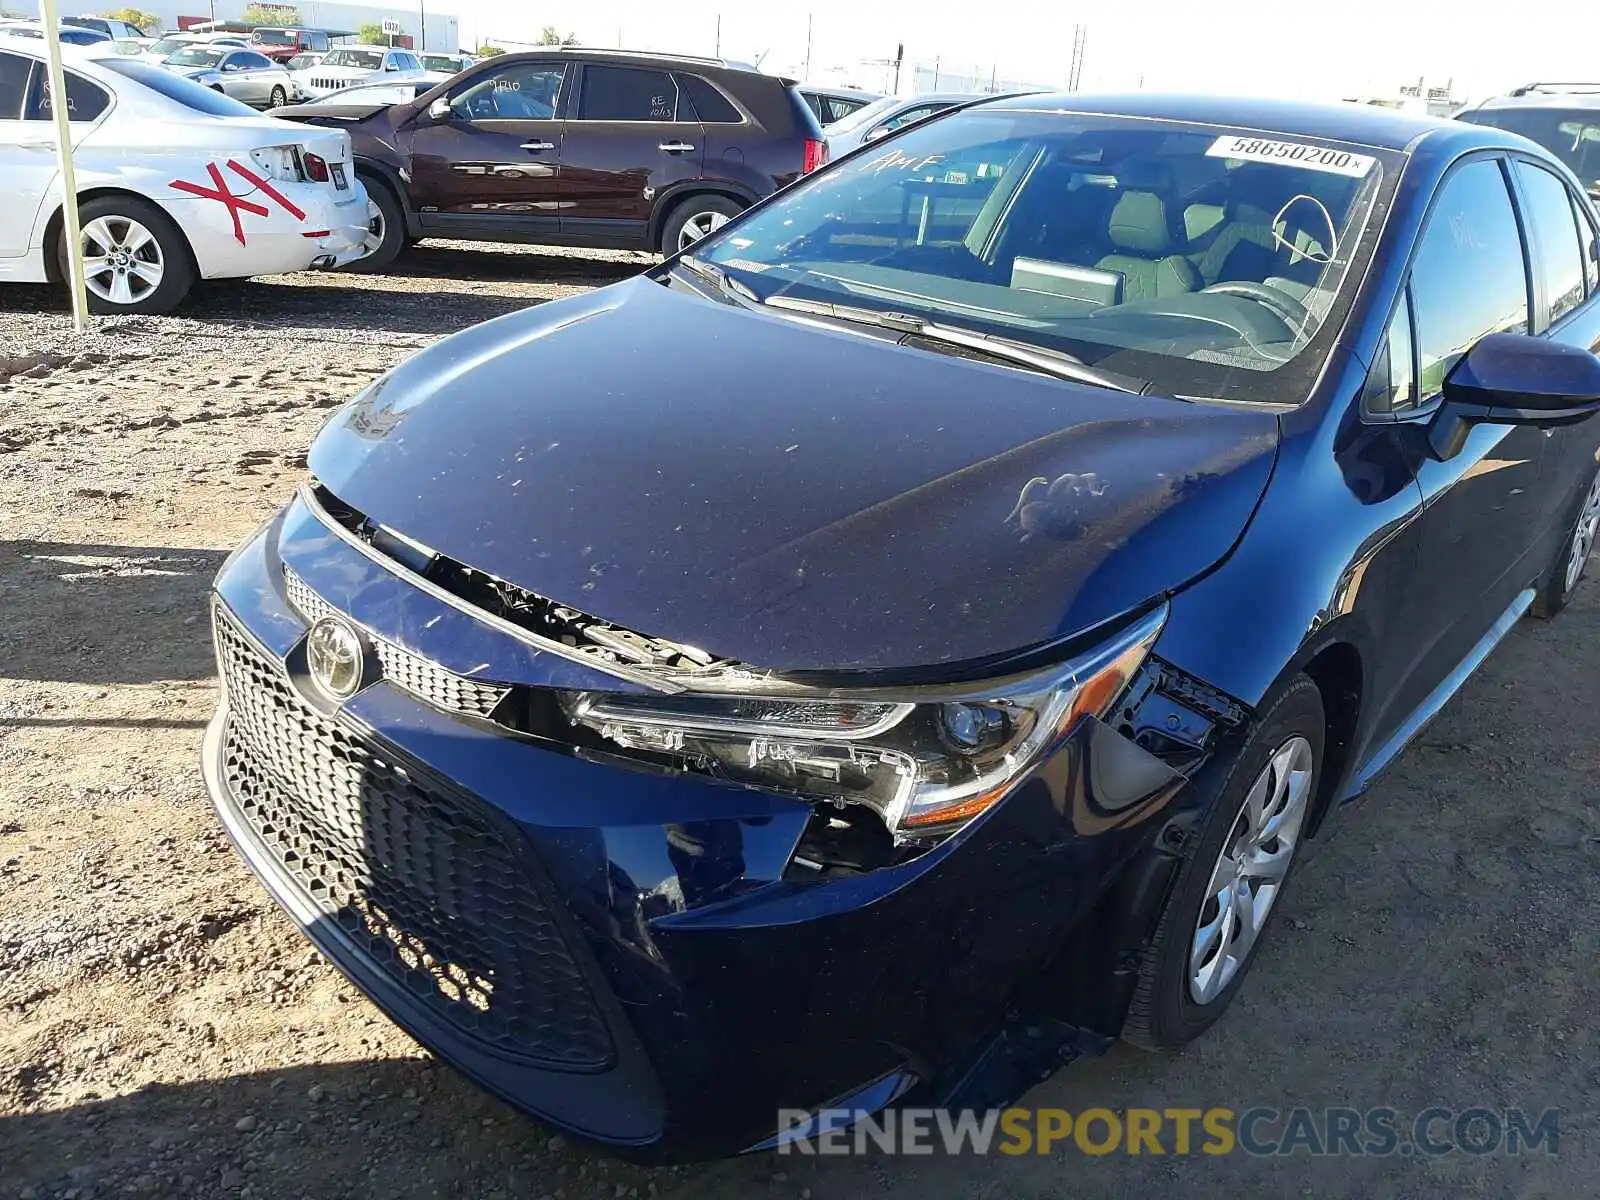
column 1367, row 124
column 847, row 93
column 1544, row 95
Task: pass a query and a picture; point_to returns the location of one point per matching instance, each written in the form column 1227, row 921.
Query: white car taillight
column 279, row 163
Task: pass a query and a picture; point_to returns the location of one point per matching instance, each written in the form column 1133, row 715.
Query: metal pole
column 936, row 73
column 422, row 9
column 808, row 45
column 718, row 53
column 69, row 177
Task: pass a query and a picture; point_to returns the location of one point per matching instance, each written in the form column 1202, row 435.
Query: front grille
column 430, row 889
column 423, row 678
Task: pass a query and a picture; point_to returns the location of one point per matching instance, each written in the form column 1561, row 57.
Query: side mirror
column 1514, row 379
column 439, row 110
column 874, row 134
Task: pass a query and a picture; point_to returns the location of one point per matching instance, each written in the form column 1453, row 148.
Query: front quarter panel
column 1326, row 558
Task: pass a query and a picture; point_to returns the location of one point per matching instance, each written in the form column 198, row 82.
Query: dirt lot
column 164, row 1032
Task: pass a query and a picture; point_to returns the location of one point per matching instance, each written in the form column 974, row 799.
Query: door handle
column 535, row 147
column 675, row 147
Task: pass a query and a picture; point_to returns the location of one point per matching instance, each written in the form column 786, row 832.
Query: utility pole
column 1080, row 38
column 718, row 53
column 808, row 45
column 899, row 57
column 62, row 116
column 936, row 72
column 422, row 11
column 994, row 73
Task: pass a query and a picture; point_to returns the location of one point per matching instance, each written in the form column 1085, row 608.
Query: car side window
column 1469, row 278
column 14, row 72
column 522, row 91
column 1583, row 214
column 627, row 94
column 708, row 102
column 1392, row 384
column 1554, row 238
column 85, row 100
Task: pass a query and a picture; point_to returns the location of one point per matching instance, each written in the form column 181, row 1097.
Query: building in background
column 443, row 27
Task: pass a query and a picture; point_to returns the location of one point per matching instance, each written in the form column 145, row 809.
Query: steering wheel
column 1295, row 314
column 481, row 105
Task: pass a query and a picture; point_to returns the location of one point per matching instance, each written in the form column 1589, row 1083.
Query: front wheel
column 694, row 218
column 278, row 98
column 1572, row 560
column 135, row 260
column 1237, row 864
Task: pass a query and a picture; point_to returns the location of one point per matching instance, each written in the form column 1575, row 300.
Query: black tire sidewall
column 1554, row 594
column 394, row 226
column 692, row 206
column 1165, row 1015
column 178, row 272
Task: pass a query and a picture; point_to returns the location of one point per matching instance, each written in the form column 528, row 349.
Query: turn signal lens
column 316, row 167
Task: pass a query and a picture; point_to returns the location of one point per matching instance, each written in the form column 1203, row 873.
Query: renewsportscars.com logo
column 1260, row 1132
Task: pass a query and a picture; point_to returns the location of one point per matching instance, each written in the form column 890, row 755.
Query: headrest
column 1139, row 224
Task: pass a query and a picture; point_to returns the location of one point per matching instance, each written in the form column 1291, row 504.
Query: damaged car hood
column 789, row 496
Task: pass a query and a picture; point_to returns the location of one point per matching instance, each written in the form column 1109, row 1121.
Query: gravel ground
column 164, row 1032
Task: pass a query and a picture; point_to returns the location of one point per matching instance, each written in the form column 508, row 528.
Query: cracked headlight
column 927, row 760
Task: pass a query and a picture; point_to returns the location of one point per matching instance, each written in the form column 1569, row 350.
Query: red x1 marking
column 234, row 204
column 289, row 206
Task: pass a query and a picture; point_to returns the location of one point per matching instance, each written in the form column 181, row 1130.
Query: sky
column 1330, row 50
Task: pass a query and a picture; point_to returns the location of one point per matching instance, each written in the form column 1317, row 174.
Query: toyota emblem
column 335, row 657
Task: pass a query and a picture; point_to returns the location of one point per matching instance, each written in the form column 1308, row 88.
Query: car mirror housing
column 439, row 110
column 1515, row 379
column 874, row 134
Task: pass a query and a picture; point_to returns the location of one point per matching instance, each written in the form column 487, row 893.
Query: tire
column 1560, row 582
column 150, row 274
column 278, row 98
column 388, row 223
column 1167, row 1011
column 704, row 212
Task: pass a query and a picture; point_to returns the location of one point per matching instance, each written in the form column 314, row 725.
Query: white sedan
column 344, row 66
column 180, row 183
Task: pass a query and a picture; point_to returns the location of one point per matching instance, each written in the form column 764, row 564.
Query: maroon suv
column 577, row 148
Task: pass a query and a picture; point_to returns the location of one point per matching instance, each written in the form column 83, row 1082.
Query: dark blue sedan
column 909, row 639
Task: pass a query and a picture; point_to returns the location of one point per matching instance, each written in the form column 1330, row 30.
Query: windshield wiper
column 728, row 288
column 1057, row 363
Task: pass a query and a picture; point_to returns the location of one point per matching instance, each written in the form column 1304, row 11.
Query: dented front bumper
column 502, row 874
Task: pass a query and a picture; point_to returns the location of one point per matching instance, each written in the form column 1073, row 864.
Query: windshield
column 175, row 87
column 1572, row 135
column 273, row 37
column 196, row 56
column 1202, row 259
column 440, row 62
column 367, row 60
column 301, row 62
column 168, row 45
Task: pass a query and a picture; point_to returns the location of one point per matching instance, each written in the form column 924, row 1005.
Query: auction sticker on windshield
column 1291, row 154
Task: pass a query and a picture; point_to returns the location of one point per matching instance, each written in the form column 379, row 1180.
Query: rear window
column 174, row 87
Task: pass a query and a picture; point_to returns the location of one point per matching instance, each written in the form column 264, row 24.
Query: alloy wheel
column 376, row 227
column 1584, row 536
column 122, row 260
column 697, row 226
column 278, row 98
column 1250, row 870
